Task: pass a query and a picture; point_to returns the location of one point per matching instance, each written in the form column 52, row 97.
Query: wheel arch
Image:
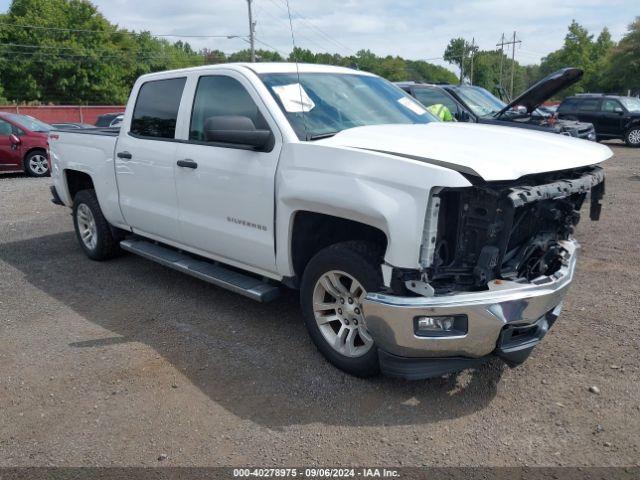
column 312, row 231
column 633, row 123
column 75, row 181
column 32, row 150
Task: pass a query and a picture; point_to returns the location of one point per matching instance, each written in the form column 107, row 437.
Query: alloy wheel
column 87, row 226
column 337, row 307
column 38, row 164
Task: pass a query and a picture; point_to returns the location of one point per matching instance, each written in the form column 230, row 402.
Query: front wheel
column 632, row 137
column 334, row 285
column 36, row 164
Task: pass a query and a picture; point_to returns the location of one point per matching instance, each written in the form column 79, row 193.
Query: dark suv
column 611, row 115
column 469, row 103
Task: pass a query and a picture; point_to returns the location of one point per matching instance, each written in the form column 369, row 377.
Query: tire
column 355, row 352
column 36, row 164
column 632, row 137
column 93, row 232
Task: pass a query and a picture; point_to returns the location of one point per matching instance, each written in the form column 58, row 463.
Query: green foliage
column 607, row 67
column 622, row 71
column 89, row 60
column 581, row 51
column 96, row 63
column 390, row 67
column 458, row 53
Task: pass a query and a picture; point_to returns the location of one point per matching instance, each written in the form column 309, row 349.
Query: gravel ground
column 123, row 362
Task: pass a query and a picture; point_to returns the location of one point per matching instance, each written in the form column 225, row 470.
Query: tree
column 87, row 60
column 458, row 53
column 421, row 71
column 78, row 56
column 581, row 51
column 623, row 68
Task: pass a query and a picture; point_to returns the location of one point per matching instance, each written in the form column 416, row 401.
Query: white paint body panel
column 381, row 176
column 491, row 151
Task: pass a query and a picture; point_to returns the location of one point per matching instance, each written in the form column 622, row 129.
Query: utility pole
column 513, row 58
column 513, row 62
column 462, row 65
column 252, row 32
column 501, row 45
column 473, row 54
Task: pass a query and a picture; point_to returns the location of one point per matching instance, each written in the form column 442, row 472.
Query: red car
column 23, row 145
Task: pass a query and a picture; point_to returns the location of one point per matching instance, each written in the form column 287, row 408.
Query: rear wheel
column 94, row 233
column 632, row 137
column 334, row 285
column 36, row 164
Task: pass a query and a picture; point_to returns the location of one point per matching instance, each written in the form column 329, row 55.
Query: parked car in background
column 613, row 116
column 71, row 125
column 108, row 119
column 549, row 109
column 117, row 121
column 24, row 145
column 419, row 247
column 470, row 103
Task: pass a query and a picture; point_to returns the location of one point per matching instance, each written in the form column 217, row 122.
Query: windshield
column 323, row 104
column 480, row 101
column 29, row 123
column 631, row 103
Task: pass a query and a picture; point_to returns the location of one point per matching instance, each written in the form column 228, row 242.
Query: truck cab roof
column 263, row 68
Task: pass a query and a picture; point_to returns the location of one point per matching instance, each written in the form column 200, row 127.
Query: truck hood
column 486, row 151
column 543, row 90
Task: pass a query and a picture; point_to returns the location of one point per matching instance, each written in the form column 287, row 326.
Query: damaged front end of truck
column 508, row 230
column 497, row 260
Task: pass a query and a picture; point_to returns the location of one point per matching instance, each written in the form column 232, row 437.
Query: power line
column 340, row 45
column 118, row 32
column 285, row 23
column 326, row 35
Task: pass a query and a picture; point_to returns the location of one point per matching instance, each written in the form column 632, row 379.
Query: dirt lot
column 118, row 363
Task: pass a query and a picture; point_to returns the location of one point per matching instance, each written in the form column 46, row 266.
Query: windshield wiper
column 320, row 136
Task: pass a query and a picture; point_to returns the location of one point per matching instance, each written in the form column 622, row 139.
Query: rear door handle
column 125, row 155
column 187, row 163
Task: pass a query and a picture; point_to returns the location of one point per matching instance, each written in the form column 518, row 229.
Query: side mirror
column 618, row 110
column 463, row 116
column 14, row 139
column 235, row 130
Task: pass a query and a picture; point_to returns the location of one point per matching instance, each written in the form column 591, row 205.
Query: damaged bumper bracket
column 590, row 182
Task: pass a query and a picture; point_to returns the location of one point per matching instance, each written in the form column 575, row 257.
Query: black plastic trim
column 206, row 144
column 55, row 197
column 421, row 368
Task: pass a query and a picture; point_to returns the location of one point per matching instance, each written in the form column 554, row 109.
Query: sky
column 413, row 29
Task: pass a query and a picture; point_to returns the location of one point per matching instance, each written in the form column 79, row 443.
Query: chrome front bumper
column 390, row 319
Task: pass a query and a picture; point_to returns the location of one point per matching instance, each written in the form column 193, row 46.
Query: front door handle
column 125, row 155
column 187, row 163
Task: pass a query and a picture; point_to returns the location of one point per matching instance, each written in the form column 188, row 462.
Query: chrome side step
column 208, row 271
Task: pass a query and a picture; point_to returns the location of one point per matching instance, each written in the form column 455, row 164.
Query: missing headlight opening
column 509, row 230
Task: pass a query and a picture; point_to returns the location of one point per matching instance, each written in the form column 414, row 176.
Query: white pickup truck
column 419, row 247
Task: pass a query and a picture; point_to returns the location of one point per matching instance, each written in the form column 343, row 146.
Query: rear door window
column 589, row 105
column 569, row 105
column 156, row 111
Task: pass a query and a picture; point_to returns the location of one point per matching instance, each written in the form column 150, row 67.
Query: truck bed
column 89, row 152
